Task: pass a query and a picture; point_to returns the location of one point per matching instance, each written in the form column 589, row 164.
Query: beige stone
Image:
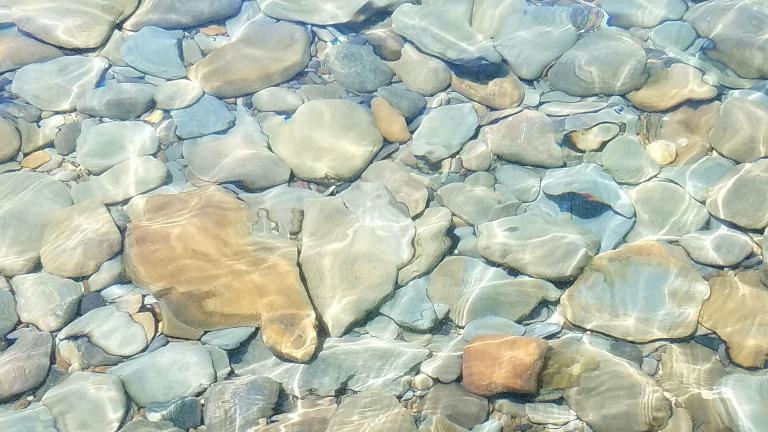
column 669, row 87
column 662, row 152
column 17, row 50
column 496, row 364
column 10, row 140
column 421, row 73
column 688, row 128
column 390, row 122
column 594, row 138
column 196, row 251
column 36, row 159
column 499, row 93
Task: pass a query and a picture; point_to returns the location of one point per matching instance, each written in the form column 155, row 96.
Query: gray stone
column 636, row 13
column 65, row 141
column 87, row 402
column 410, row 307
column 664, row 209
column 430, row 244
column 527, row 138
column 110, row 329
column 738, row 394
column 58, row 84
column 517, row 183
column 10, row 141
column 591, row 181
column 250, row 12
column 673, row 35
column 444, row 131
column 206, row 116
column 184, row 413
column 25, row 364
column 445, row 363
column 156, row 52
column 102, row 146
column 125, row 180
column 45, row 300
column 327, row 11
column 35, row 418
column 472, row 204
column 421, row 73
column 741, row 132
column 625, row 159
column 177, row 94
column 698, row 177
column 408, row 103
column 383, row 327
column 491, row 325
column 178, row 14
column 406, row 186
column 357, row 68
column 456, row 404
column 144, row 425
column 17, row 50
column 229, row 338
column 373, row 411
column 8, row 315
column 718, row 247
column 276, row 99
column 238, row 404
column 741, row 196
column 119, row 101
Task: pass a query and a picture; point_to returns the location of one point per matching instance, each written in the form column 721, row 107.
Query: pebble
column 491, row 325
column 472, row 204
column 240, row 403
column 627, row 161
column 330, row 12
column 673, row 35
column 373, row 410
column 456, row 404
column 102, row 146
column 411, row 308
column 118, row 101
column 206, row 116
column 503, row 92
column 229, row 338
column 357, row 68
column 177, row 94
column 636, row 13
column 179, row 14
column 668, row 87
column 721, row 247
column 389, row 121
column 277, row 99
column 430, row 244
column 739, row 196
column 36, row 418
column 125, row 180
column 664, row 209
column 502, row 363
column 739, row 133
column 46, row 300
column 527, row 138
column 87, row 402
column 58, row 84
column 421, row 73
column 184, row 413
column 408, row 103
column 10, row 141
column 24, row 365
column 110, row 329
column 17, row 50
column 738, row 392
column 435, row 140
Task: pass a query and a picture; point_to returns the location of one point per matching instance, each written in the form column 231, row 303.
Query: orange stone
column 389, row 121
column 213, row 30
column 35, row 160
column 496, row 364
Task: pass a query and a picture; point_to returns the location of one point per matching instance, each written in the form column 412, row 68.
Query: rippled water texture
column 383, row 215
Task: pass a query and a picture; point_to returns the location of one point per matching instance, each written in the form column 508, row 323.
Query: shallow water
column 389, row 215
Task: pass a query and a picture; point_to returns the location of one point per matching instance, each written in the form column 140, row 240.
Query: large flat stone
column 58, row 84
column 178, row 14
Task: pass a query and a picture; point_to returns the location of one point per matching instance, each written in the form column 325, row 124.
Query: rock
column 211, row 158
column 24, row 365
column 324, row 13
column 389, row 121
column 178, row 14
column 476, row 156
column 36, row 159
column 444, row 31
column 102, row 146
column 668, row 87
column 144, row 425
column 736, row 29
column 721, row 247
column 155, row 52
column 421, row 73
column 45, row 300
column 310, row 415
column 261, row 57
column 472, row 204
column 475, row 290
column 352, row 363
column 444, row 131
column 372, row 410
column 408, row 103
column 86, row 24
column 699, row 177
column 411, row 308
column 430, row 244
column 10, row 141
column 456, row 404
column 17, row 50
column 229, row 338
column 585, row 70
column 125, row 180
column 503, row 92
column 250, row 12
column 8, row 315
column 664, row 209
column 636, row 13
column 177, row 94
column 36, row 418
column 65, row 141
column 174, row 371
column 662, row 152
column 310, row 92
column 548, row 413
column 87, row 402
column 206, row 116
column 737, row 393
column 185, row 413
column 266, row 293
column 119, row 101
column 741, row 196
column 502, row 363
column 281, row 203
column 327, row 140
column 595, row 137
column 370, row 237
column 239, row 404
column 110, row 329
column 538, row 245
column 673, row 35
column 527, row 138
column 628, row 293
column 747, row 344
column 740, row 132
column 626, row 160
column 276, row 99
column 58, row 84
column 517, row 183
column 383, row 327
column 689, row 130
column 79, row 239
column 357, row 68
column 26, row 201
column 491, row 325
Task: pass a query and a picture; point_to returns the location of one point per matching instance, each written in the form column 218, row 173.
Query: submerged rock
column 17, row 50
column 502, row 363
column 357, row 68
column 25, row 364
column 156, row 52
column 637, row 13
column 238, row 404
column 527, row 138
column 119, row 101
column 326, row 11
column 741, row 133
column 125, row 180
column 110, row 329
column 664, row 209
column 591, row 182
column 373, row 411
column 45, row 300
column 444, row 131
column 87, row 402
column 102, row 146
column 178, row 14
column 58, row 84
column 738, row 394
column 741, row 196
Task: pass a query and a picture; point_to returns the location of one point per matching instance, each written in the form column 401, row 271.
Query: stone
column 241, row 155
column 444, row 131
column 144, row 425
column 386, row 43
column 249, row 12
column 177, row 94
column 736, row 29
column 503, row 92
column 267, row 293
column 662, row 152
column 472, row 204
column 357, row 68
column 723, row 247
column 58, row 84
column 26, row 202
column 65, row 141
column 310, row 415
column 549, row 413
column 383, row 327
column 740, row 131
column 229, row 338
column 102, row 146
column 603, row 62
column 35, row 418
column 45, row 300
column 24, row 365
column 370, row 237
column 408, row 103
column 85, row 24
column 125, row 180
column 327, row 140
column 372, row 410
column 738, row 394
column 626, row 160
column 538, row 245
column 527, row 138
column 17, row 50
column 476, row 156
column 491, row 325
column 277, row 99
column 110, row 329
column 689, row 129
column 668, row 87
column 741, row 196
column 421, row 73
column 389, row 121
column 8, row 315
column 742, row 331
column 156, row 52
column 517, row 183
column 595, row 137
column 206, row 116
column 239, row 403
column 261, row 57
column 636, row 13
column 79, row 239
column 10, row 141
column 179, row 14
column 473, row 290
column 664, row 209
column 411, row 308
column 430, row 244
column 329, row 12
column 174, row 371
column 456, row 404
column 36, row 159
column 640, row 292
column 673, row 35
column 118, row 101
column 87, row 402
column 185, row 413
column 698, row 178
column 502, row 363
column 444, row 31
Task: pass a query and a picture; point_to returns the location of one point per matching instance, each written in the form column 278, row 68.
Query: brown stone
column 196, row 251
column 688, row 128
column 389, row 121
column 668, row 87
column 499, row 93
column 213, row 30
column 496, row 364
column 35, row 160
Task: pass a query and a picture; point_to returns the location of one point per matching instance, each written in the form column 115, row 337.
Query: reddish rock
column 496, row 364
